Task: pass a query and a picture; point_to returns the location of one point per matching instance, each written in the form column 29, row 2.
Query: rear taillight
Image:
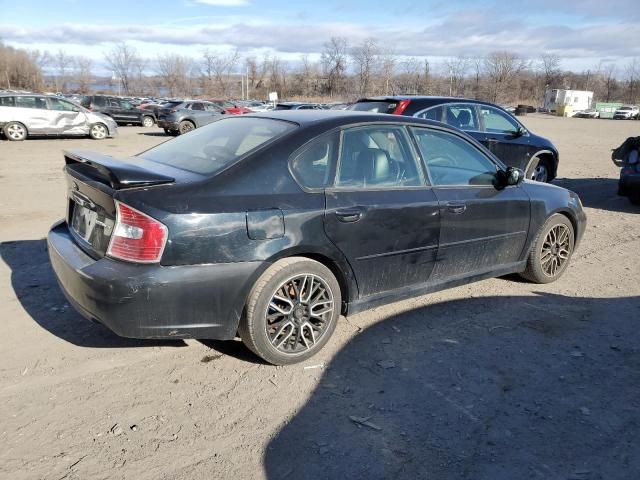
column 402, row 105
column 136, row 237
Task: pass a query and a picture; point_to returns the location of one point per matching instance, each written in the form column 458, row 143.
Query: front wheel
column 551, row 250
column 15, row 131
column 541, row 172
column 291, row 311
column 98, row 131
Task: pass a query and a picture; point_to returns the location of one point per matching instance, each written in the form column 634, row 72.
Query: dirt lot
column 496, row 380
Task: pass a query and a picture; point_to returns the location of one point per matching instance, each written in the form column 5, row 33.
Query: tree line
column 342, row 72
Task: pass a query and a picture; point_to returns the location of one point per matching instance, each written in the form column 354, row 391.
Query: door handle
column 349, row 215
column 455, row 207
column 492, row 140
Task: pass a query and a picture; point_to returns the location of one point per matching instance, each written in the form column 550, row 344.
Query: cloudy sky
column 582, row 32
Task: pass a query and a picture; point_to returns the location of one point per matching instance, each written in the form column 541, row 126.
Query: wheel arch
column 15, row 121
column 547, row 155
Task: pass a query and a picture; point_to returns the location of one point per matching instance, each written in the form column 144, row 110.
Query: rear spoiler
column 119, row 173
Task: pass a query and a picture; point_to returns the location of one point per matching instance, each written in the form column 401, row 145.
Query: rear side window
column 433, row 113
column 7, row 102
column 209, row 149
column 197, row 106
column 283, row 107
column 375, row 107
column 376, row 157
column 312, row 166
column 99, row 101
column 462, row 116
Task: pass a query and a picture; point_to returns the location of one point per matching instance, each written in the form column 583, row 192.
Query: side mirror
column 514, row 176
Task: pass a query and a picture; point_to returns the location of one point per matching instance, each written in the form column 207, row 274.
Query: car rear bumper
column 168, row 125
column 151, row 301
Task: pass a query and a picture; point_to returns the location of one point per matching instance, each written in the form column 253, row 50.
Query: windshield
column 210, row 149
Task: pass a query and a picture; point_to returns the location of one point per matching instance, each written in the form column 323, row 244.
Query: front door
column 380, row 213
column 482, row 227
column 67, row 118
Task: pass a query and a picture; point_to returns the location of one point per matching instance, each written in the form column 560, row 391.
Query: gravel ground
column 500, row 379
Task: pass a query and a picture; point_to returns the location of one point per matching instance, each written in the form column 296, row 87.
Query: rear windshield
column 209, row 149
column 375, row 107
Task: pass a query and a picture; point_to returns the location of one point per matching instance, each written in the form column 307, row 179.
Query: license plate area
column 90, row 224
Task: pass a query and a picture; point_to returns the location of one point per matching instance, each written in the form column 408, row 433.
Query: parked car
column 30, row 115
column 122, row 111
column 297, row 106
column 588, row 113
column 230, row 107
column 186, row 116
column 627, row 157
column 627, row 112
column 490, row 124
column 272, row 225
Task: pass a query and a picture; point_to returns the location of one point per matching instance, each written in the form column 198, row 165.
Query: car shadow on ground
column 600, row 193
column 543, row 387
column 155, row 134
column 36, row 288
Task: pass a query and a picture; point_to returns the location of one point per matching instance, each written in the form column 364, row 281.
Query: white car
column 627, row 112
column 29, row 114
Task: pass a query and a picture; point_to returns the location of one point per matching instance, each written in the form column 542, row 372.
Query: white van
column 28, row 114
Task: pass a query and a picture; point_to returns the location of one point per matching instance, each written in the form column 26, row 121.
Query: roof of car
column 308, row 117
column 418, row 97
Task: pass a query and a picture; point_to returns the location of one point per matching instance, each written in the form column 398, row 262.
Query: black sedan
column 272, row 225
column 490, row 124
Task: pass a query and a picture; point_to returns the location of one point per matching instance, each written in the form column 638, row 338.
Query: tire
column 545, row 250
column 185, row 126
column 147, row 121
column 15, row 131
column 634, row 197
column 98, row 131
column 292, row 335
column 173, row 133
column 542, row 172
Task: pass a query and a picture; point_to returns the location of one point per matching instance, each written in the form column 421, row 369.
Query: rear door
column 482, row 227
column 33, row 111
column 380, row 212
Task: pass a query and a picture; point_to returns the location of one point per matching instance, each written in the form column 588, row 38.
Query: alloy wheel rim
column 187, row 127
column 15, row 131
column 147, row 122
column 299, row 313
column 540, row 174
column 99, row 131
column 556, row 250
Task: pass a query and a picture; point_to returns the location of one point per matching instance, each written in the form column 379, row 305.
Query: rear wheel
column 185, row 127
column 551, row 250
column 147, row 121
column 291, row 311
column 15, row 131
column 98, row 131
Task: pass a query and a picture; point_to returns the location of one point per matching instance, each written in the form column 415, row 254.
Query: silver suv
column 28, row 114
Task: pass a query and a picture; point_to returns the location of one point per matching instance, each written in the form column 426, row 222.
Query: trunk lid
column 92, row 181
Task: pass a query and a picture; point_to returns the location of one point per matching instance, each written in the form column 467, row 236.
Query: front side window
column 208, row 150
column 462, row 116
column 57, row 104
column 312, row 166
column 376, row 157
column 452, row 160
column 496, row 121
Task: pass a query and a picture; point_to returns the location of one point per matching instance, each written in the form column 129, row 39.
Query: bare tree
column 83, row 73
column 610, row 83
column 387, row 70
column 457, row 68
column 18, row 69
column 550, row 66
column 121, row 60
column 218, row 68
column 62, row 64
column 502, row 68
column 632, row 74
column 334, row 64
column 365, row 59
column 175, row 70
